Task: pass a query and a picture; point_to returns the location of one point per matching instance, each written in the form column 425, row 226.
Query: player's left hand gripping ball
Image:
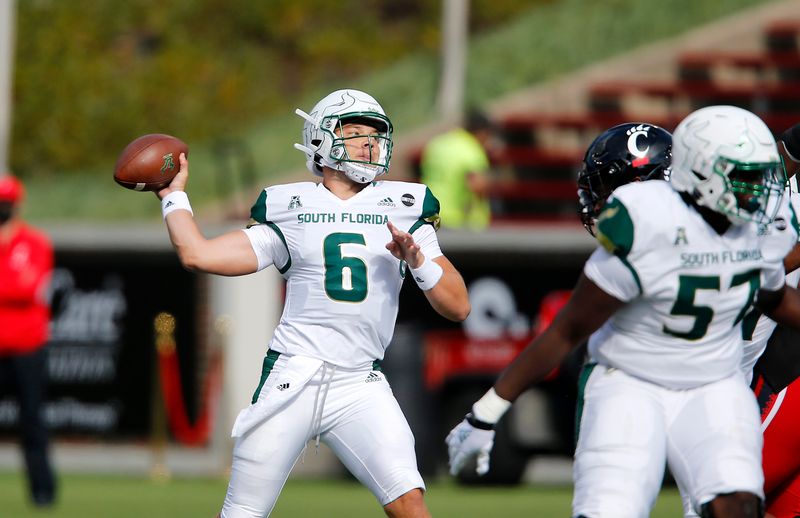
column 464, row 441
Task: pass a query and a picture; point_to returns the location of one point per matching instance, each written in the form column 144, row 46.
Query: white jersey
column 689, row 290
column 753, row 349
column 343, row 285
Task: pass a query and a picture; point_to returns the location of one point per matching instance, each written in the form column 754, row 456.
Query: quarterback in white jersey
column 346, row 307
column 670, row 291
column 344, row 247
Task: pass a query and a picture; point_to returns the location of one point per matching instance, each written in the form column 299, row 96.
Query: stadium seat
column 543, row 150
column 763, row 67
column 782, row 36
column 689, row 96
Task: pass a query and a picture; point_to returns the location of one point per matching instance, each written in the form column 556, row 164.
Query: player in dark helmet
column 628, row 152
column 646, row 347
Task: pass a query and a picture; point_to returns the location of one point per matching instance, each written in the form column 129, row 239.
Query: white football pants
column 710, row 436
column 353, row 411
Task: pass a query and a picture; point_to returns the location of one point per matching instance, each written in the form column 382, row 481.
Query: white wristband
column 427, row 275
column 176, row 200
column 490, row 408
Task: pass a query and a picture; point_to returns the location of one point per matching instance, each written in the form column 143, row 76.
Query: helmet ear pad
column 716, row 187
column 317, row 158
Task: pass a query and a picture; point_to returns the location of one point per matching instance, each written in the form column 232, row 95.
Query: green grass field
column 107, row 496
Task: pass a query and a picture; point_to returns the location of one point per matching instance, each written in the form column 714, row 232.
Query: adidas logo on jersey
column 373, row 377
column 386, row 202
column 282, row 386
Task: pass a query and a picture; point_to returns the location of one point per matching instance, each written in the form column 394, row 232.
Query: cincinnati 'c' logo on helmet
column 633, row 140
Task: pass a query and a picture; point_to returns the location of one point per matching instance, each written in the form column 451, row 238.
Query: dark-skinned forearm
column 792, row 260
column 782, row 306
column 534, row 363
column 588, row 308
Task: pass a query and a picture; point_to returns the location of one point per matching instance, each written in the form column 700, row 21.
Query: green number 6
column 345, row 276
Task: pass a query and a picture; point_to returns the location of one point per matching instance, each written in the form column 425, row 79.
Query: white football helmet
column 727, row 159
column 324, row 142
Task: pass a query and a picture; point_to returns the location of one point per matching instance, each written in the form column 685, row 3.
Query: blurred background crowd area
column 226, row 77
column 90, row 75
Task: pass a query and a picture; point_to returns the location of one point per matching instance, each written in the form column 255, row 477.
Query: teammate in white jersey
column 788, row 143
column 344, row 246
column 777, row 382
column 774, row 375
column 681, row 266
column 640, row 151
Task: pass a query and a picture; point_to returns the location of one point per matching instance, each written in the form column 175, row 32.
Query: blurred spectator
column 455, row 166
column 26, row 263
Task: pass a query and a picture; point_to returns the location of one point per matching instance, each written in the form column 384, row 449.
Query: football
column 150, row 162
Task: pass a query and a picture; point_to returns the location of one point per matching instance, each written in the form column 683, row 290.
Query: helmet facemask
column 751, row 192
column 594, row 188
column 345, row 143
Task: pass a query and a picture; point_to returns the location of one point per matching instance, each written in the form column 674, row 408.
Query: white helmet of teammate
column 727, row 159
column 324, row 147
